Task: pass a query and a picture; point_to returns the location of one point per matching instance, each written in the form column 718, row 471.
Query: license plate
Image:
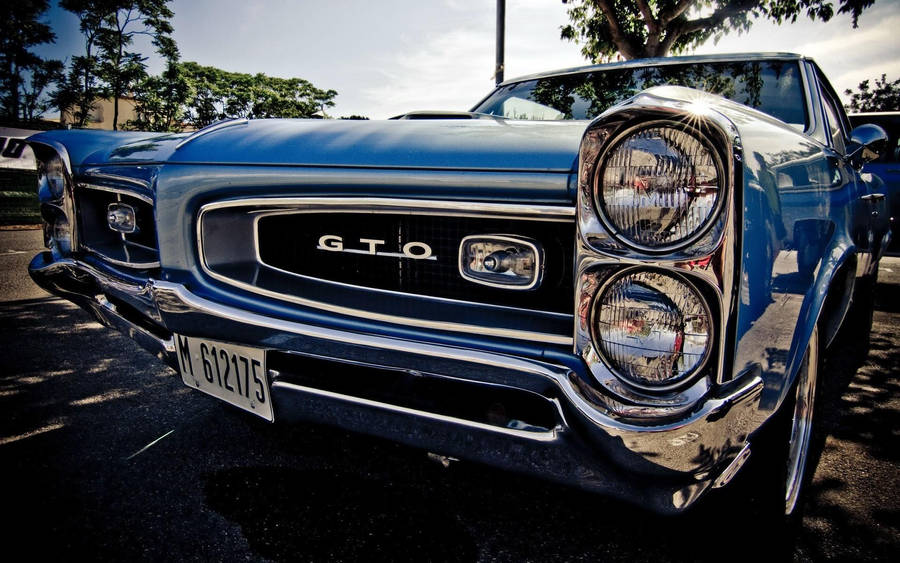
column 236, row 374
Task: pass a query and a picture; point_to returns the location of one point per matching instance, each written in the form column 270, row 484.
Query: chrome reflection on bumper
column 665, row 467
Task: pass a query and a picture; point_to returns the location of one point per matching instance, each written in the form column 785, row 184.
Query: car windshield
column 773, row 87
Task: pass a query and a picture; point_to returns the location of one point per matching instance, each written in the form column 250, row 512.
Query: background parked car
column 887, row 166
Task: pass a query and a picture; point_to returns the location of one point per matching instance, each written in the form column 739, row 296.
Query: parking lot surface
column 106, row 455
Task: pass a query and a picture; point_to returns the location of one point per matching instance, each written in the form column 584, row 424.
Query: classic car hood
column 485, row 144
column 80, row 145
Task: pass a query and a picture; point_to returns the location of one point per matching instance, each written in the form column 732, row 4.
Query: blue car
column 621, row 277
column 887, row 166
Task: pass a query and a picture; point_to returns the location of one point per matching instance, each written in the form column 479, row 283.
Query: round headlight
column 53, row 175
column 57, row 231
column 658, row 186
column 652, row 329
column 62, row 235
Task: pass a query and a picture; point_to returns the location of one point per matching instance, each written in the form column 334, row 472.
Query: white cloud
column 448, row 71
column 453, row 69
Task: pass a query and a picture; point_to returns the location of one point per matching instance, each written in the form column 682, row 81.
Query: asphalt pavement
column 105, row 455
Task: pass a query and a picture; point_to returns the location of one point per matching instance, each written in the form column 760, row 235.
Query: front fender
column 797, row 246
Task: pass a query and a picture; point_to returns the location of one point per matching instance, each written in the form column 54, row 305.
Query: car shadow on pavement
column 855, row 491
column 382, row 500
column 80, row 401
column 76, row 404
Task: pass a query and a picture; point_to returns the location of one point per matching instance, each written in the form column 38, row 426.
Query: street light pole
column 501, row 32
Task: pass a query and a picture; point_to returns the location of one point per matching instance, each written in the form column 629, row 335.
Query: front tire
column 802, row 427
column 770, row 490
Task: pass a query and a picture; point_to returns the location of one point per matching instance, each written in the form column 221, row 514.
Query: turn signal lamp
column 500, row 261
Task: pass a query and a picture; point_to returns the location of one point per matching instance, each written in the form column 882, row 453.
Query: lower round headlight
column 57, row 231
column 62, row 235
column 652, row 329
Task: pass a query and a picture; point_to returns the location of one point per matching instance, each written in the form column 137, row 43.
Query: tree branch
column 649, row 20
column 615, row 31
column 665, row 16
column 672, row 34
column 718, row 17
column 129, row 20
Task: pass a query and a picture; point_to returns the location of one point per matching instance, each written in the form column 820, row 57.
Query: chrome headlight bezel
column 676, row 382
column 52, row 177
column 614, row 144
column 56, row 197
column 706, row 260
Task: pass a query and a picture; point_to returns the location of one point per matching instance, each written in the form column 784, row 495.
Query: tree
column 884, row 97
column 43, row 74
column 206, row 85
column 654, row 28
column 80, row 90
column 20, row 30
column 120, row 68
column 190, row 94
column 160, row 101
column 289, row 97
column 219, row 94
column 109, row 68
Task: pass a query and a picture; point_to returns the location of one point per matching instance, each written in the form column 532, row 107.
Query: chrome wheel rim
column 802, row 423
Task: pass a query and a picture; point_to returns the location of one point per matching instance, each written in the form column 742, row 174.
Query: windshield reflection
column 773, row 87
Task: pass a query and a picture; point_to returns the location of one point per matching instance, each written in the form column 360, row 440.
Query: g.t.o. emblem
column 414, row 250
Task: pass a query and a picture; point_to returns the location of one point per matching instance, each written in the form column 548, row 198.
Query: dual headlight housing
column 652, row 215
column 55, row 198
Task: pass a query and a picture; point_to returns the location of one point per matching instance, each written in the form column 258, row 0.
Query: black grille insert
column 137, row 249
column 505, row 407
column 290, row 242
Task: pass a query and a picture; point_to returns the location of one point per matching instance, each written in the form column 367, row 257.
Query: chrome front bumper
column 665, row 467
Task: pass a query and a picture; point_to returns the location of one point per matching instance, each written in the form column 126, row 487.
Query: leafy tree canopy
column 43, row 74
column 21, row 29
column 189, row 94
column 185, row 94
column 110, row 67
column 654, row 28
column 885, row 96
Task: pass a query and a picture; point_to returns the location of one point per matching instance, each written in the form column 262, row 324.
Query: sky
column 387, row 57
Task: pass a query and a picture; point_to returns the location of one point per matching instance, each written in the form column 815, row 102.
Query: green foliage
column 43, row 74
column 885, row 96
column 219, row 94
column 20, row 30
column 184, row 94
column 109, row 68
column 160, row 101
column 654, row 28
column 188, row 94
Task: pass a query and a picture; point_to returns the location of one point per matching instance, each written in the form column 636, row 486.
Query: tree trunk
column 87, row 102
column 14, row 80
column 117, row 83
